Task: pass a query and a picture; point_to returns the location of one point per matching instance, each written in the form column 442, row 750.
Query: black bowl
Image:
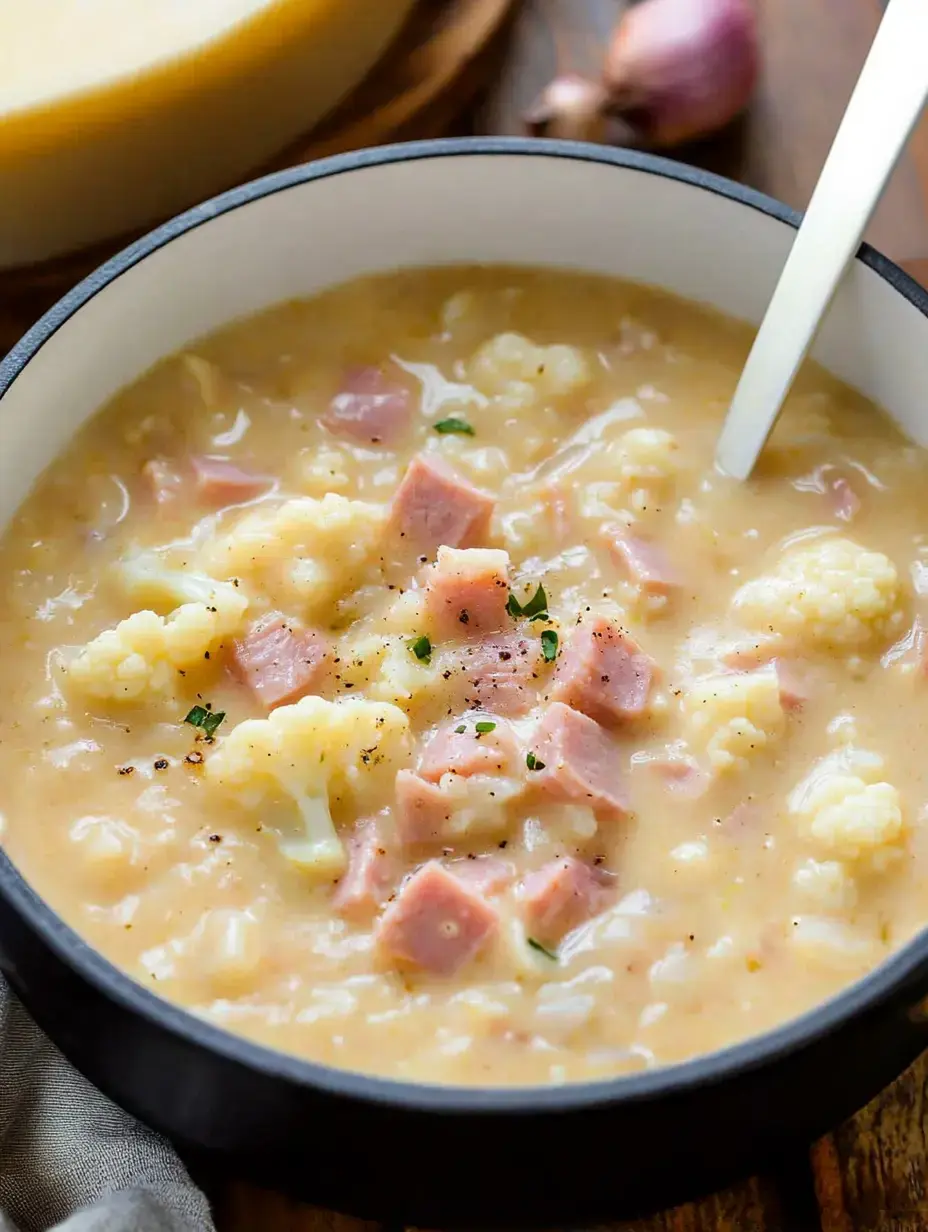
column 428, row 1154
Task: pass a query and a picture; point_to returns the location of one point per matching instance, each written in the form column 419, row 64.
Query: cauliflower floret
column 831, row 592
column 386, row 668
column 148, row 579
column 513, row 368
column 734, row 716
column 307, row 755
column 305, row 552
column 831, row 944
column 324, row 470
column 143, row 654
column 477, row 803
column 645, row 456
column 846, row 813
column 826, row 884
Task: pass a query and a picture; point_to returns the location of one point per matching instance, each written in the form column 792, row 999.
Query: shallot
column 674, row 70
column 679, row 69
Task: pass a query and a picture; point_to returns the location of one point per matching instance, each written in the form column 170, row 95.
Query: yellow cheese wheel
column 114, row 113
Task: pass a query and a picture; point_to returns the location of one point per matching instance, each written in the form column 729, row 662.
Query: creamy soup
column 392, row 680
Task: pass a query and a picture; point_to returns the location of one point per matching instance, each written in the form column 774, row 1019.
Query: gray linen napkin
column 72, row 1161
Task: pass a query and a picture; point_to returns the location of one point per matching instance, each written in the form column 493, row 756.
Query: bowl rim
column 907, row 967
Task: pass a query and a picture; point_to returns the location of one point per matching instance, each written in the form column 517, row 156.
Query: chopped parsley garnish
column 549, row 645
column 459, row 731
column 542, row 949
column 461, row 426
column 532, row 761
column 484, row 726
column 421, row 647
column 535, row 609
column 207, row 720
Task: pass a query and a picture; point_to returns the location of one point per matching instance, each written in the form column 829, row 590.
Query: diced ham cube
column 485, row 874
column 220, row 482
column 437, row 923
column 579, row 762
column 502, row 673
column 434, row 505
column 279, row 661
column 603, row 673
column 468, row 752
column 422, row 811
column 562, row 895
column 372, row 871
column 466, row 592
column 163, row 479
column 369, row 407
column 645, row 563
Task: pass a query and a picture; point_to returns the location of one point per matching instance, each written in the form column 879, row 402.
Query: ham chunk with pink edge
column 372, row 871
column 562, row 895
column 217, row 481
column 579, row 761
column 466, row 592
column 434, row 505
column 422, row 810
column 644, row 563
column 502, row 673
column 467, row 752
column 279, row 661
column 369, row 407
column 485, row 874
column 437, row 923
column 603, row 673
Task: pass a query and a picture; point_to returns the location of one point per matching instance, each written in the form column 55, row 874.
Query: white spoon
column 886, row 103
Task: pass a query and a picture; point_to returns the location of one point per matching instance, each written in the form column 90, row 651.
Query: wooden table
column 869, row 1174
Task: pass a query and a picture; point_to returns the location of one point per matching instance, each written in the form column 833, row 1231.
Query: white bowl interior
column 535, row 208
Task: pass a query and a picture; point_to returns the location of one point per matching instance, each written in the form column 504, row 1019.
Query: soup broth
column 390, row 678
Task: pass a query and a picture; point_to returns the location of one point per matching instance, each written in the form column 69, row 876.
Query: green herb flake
column 421, row 647
column 537, row 604
column 532, row 761
column 535, row 609
column 460, row 426
column 542, row 949
column 484, row 726
column 205, row 719
column 549, row 645
column 459, row 731
column 212, row 721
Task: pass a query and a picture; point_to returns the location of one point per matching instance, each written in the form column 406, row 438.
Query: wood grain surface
column 869, row 1175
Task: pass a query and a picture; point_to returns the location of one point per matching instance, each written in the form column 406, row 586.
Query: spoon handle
column 886, row 103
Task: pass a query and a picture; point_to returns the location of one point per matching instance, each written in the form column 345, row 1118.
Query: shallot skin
column 680, row 69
